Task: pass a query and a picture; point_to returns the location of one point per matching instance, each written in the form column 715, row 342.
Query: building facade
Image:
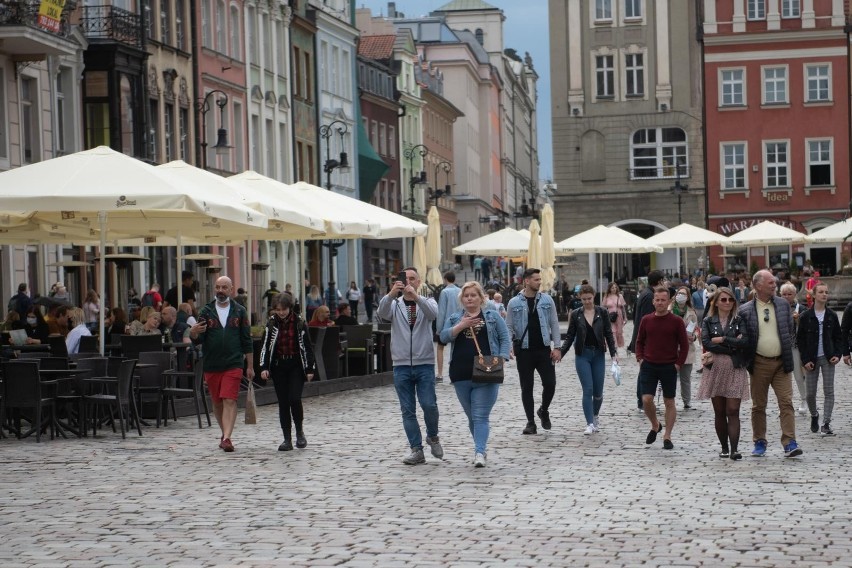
column 777, row 116
column 627, row 125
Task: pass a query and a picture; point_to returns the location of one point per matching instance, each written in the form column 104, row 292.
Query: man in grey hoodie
column 413, row 356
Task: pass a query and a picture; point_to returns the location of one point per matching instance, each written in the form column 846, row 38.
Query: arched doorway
column 631, row 266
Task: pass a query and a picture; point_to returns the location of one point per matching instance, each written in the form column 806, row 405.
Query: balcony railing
column 25, row 13
column 111, row 23
column 653, row 172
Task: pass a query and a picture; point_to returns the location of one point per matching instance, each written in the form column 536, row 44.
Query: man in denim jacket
column 534, row 326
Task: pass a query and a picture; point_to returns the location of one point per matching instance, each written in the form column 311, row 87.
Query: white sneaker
column 597, row 424
column 802, row 410
column 479, row 460
column 590, row 429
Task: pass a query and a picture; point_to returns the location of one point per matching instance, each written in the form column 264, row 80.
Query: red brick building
column 777, row 123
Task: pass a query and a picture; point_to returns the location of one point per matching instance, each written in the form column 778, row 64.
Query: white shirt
column 820, row 316
column 223, row 312
column 72, row 340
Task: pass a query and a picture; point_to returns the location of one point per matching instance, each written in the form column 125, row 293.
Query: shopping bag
column 251, row 406
column 616, row 373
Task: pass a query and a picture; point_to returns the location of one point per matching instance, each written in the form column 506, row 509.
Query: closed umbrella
column 534, row 252
column 433, row 248
column 420, row 255
column 548, row 253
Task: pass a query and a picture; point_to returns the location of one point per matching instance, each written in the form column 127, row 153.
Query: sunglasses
column 726, row 300
column 765, row 314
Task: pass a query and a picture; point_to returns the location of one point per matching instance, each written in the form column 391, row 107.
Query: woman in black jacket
column 286, row 355
column 724, row 336
column 821, row 347
column 590, row 331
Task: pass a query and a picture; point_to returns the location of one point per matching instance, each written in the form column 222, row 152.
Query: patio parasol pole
column 179, row 257
column 102, row 218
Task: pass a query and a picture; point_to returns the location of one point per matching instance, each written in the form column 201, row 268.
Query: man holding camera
column 413, row 356
column 532, row 321
column 224, row 332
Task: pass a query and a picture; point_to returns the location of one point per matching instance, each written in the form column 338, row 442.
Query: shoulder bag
column 486, row 368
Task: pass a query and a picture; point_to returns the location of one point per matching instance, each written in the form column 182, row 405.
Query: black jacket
column 644, row 306
column 807, row 337
column 736, row 338
column 270, row 336
column 846, row 328
column 577, row 331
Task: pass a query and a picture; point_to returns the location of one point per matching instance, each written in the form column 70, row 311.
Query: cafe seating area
column 142, row 382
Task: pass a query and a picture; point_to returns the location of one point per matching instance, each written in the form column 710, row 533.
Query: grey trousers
column 811, row 380
column 685, row 375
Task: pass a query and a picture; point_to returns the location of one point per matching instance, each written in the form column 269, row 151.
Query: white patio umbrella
column 602, row 239
column 419, row 260
column 686, row 235
column 505, row 242
column 433, row 248
column 836, row 233
column 114, row 189
column 534, row 246
column 548, row 253
column 766, row 233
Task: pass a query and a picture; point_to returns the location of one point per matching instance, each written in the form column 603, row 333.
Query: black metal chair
column 53, row 363
column 57, row 345
column 90, row 344
column 150, row 380
column 96, row 371
column 123, row 398
column 329, row 350
column 23, row 389
column 172, row 390
column 360, row 349
column 133, row 345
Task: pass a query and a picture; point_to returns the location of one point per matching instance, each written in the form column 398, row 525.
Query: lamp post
column 436, row 193
column 330, row 164
column 203, row 107
column 679, row 189
column 326, row 132
column 420, row 178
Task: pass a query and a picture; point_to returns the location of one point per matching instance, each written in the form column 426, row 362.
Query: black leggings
column 528, row 363
column 289, row 378
column 727, row 419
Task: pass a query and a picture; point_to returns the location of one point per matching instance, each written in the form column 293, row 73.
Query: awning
column 371, row 167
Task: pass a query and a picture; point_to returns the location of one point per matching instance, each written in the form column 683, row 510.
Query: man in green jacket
column 224, row 332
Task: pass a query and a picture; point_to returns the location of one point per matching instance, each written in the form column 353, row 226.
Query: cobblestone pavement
column 555, row 499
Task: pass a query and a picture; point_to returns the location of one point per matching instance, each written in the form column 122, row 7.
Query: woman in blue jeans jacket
column 590, row 332
column 477, row 399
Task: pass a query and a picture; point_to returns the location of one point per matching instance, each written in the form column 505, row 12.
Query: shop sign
column 730, row 227
column 49, row 14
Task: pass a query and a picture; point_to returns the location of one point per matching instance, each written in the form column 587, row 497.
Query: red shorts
column 224, row 384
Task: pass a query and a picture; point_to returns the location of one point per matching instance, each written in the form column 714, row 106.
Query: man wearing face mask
column 224, row 332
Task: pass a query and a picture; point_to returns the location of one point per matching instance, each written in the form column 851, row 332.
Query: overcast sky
column 525, row 29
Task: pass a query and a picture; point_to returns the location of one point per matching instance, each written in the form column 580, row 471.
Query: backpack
column 148, row 299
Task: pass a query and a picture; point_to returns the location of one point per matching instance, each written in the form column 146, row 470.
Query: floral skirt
column 723, row 379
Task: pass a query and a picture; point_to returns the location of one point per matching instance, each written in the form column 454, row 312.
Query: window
column 206, row 25
column 221, row 46
column 656, row 151
column 819, row 163
column 183, row 125
column 297, row 68
column 169, row 125
column 374, row 134
column 238, row 136
column 733, row 166
column 251, row 26
column 818, row 83
column 165, row 23
column 776, row 165
column 605, row 76
column 269, row 166
column 62, row 114
column 392, row 141
column 774, row 85
column 236, row 48
column 635, row 72
column 309, row 93
column 29, row 120
column 791, row 8
column 153, row 133
column 180, row 33
column 603, row 9
column 266, row 22
column 300, row 162
column 632, row 9
column 383, row 139
column 148, row 14
column 255, row 142
column 756, row 10
column 732, row 87
column 127, row 104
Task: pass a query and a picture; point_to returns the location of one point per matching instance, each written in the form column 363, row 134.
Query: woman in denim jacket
column 724, row 334
column 492, row 335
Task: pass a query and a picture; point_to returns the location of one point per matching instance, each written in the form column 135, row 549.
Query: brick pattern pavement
column 559, row 498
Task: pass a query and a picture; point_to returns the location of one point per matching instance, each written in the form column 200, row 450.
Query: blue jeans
column 590, row 369
column 477, row 400
column 418, row 380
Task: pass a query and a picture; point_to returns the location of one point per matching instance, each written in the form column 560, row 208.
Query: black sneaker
column 667, row 445
column 439, row 379
column 652, row 435
column 531, row 428
column 826, row 429
column 301, row 441
column 815, row 423
column 285, row 446
column 544, row 416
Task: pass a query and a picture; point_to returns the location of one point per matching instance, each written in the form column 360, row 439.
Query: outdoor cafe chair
column 90, row 344
column 172, row 390
column 57, row 345
column 23, row 389
column 123, row 398
column 359, row 340
column 150, row 380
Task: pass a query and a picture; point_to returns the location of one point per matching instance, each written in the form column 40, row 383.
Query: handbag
column 613, row 316
column 251, row 405
column 707, row 360
column 486, row 368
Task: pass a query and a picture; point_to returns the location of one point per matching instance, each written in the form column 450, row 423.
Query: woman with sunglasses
column 725, row 380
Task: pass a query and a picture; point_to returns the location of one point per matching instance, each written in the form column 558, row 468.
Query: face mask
column 680, row 298
column 32, row 321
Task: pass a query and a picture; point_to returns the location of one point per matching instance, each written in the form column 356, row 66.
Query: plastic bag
column 251, row 407
column 616, row 373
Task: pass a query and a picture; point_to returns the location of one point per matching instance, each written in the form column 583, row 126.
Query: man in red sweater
column 661, row 350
